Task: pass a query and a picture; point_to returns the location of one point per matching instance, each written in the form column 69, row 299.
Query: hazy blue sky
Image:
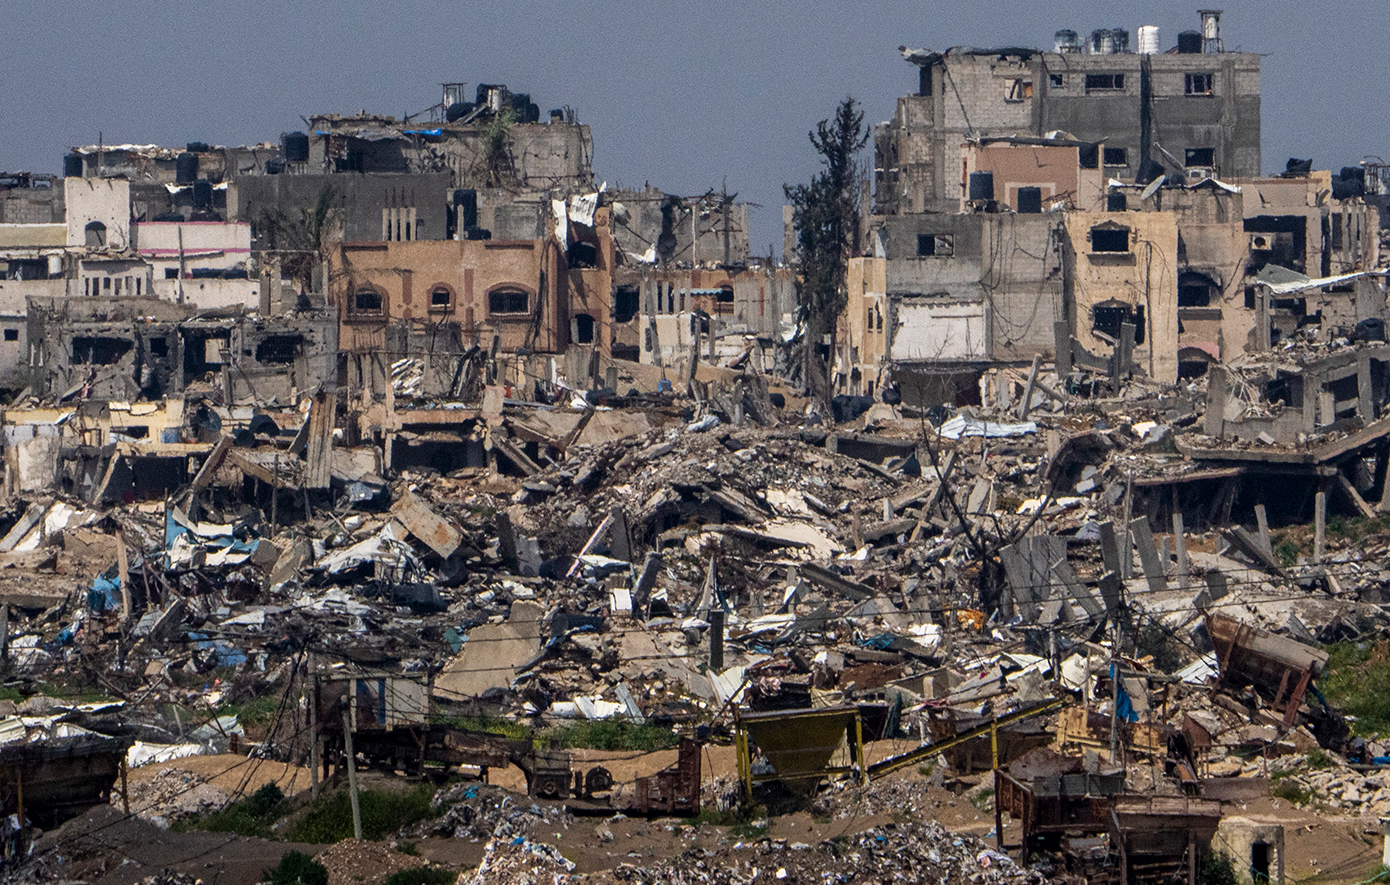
column 680, row 95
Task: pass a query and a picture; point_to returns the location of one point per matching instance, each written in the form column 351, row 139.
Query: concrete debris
column 1081, row 539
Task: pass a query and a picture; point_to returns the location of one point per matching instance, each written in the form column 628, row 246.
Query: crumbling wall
column 1126, row 264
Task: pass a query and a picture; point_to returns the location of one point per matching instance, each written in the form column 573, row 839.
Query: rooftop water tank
column 294, row 147
column 1190, row 43
column 1119, row 40
column 186, row 168
column 72, row 165
column 1066, row 41
column 1148, row 41
column 1102, row 42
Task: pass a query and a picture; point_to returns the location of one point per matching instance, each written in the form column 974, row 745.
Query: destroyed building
column 1096, row 91
column 488, row 486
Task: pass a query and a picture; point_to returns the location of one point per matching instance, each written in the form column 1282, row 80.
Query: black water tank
column 1029, row 200
column 186, row 168
column 466, row 207
column 1346, row 188
column 981, row 186
column 274, row 167
column 1115, row 202
column 1190, row 43
column 458, row 110
column 1353, row 173
column 198, row 147
column 202, row 194
column 1296, row 166
column 72, row 166
column 533, row 113
column 294, row 147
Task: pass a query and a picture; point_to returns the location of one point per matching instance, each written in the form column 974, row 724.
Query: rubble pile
column 910, row 852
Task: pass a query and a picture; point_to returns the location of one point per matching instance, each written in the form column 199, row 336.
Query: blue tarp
column 1124, row 706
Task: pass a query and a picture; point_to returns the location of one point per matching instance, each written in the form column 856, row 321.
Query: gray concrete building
column 381, row 207
column 1193, row 112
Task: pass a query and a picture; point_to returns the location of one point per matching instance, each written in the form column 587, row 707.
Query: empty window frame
column 935, row 245
column 1105, row 82
column 508, row 301
column 11, row 334
column 1201, row 156
column 1116, row 156
column 1107, row 318
column 366, row 301
column 95, row 235
column 279, row 349
column 1019, row 90
column 724, row 300
column 441, row 299
column 1197, row 84
column 1108, row 239
column 1057, row 81
column 626, row 303
column 584, row 326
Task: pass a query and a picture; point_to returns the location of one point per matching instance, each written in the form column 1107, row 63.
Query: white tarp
column 1302, row 285
column 141, row 753
column 961, row 426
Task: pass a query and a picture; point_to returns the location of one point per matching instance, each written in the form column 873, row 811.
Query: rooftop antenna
column 1211, row 31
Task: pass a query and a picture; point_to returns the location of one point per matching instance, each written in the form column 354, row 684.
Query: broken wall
column 1125, row 270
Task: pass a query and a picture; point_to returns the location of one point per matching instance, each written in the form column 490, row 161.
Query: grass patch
column 252, row 816
column 507, row 728
column 422, row 876
column 610, row 734
column 1216, row 868
column 1290, row 791
column 10, row 694
column 1287, row 553
column 748, row 831
column 983, row 799
column 258, row 712
column 384, row 812
column 586, row 734
column 1318, row 759
column 1358, row 683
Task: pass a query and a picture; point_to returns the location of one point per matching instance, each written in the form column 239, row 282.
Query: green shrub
column 1318, row 759
column 384, row 812
column 611, row 734
column 1290, row 791
column 298, row 869
column 1216, row 868
column 1357, row 682
column 422, row 876
column 252, row 816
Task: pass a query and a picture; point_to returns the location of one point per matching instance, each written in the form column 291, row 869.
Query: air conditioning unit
column 1200, row 173
column 1261, row 242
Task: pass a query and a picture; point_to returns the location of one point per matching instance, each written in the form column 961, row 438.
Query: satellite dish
column 1153, row 187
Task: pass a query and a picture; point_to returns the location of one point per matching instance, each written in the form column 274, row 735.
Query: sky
column 681, row 95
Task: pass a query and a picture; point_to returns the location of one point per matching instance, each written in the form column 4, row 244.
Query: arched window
column 508, row 301
column 441, row 299
column 583, row 329
column 96, row 235
column 366, row 300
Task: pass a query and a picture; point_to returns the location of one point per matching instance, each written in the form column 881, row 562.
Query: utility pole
column 1114, row 686
column 352, row 773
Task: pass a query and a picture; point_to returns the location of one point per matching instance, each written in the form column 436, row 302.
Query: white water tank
column 1148, row 40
